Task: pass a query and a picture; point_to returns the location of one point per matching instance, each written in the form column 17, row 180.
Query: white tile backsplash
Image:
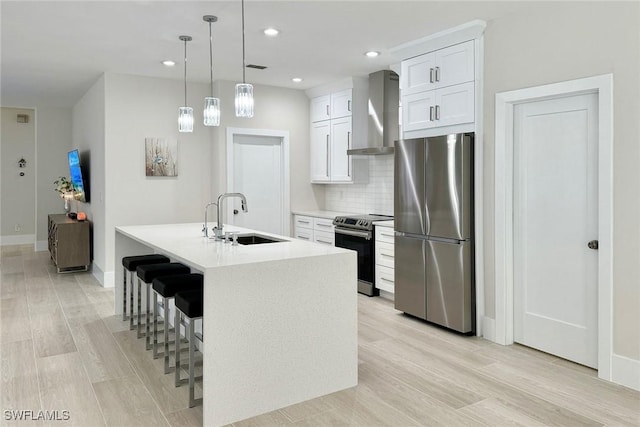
column 374, row 197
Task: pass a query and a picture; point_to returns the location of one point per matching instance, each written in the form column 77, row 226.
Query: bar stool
column 130, row 264
column 166, row 287
column 190, row 305
column 146, row 274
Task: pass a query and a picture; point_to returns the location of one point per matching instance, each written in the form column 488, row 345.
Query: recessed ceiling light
column 372, row 54
column 271, row 32
column 296, row 79
column 168, row 63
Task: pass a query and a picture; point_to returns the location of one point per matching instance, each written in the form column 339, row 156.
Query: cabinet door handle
column 431, row 113
column 303, row 238
column 324, row 241
column 387, row 235
column 327, row 156
column 430, row 75
column 349, row 105
column 437, row 74
column 303, row 222
column 328, row 113
column 387, row 255
column 437, row 112
column 348, row 158
column 385, row 279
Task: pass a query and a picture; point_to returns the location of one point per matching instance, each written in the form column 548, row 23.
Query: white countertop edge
column 201, row 254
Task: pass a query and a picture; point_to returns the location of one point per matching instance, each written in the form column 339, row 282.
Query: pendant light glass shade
column 244, row 100
column 244, row 91
column 185, row 114
column 211, row 111
column 185, row 119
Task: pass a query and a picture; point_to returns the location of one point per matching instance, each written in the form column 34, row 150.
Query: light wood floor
column 63, row 349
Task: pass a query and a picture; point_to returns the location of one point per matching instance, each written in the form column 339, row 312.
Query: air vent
column 257, row 67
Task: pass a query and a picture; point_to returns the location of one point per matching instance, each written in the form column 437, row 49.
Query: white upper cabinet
column 341, row 104
column 334, row 124
column 438, row 88
column 445, row 67
column 341, row 142
column 454, row 65
column 320, row 108
column 320, row 151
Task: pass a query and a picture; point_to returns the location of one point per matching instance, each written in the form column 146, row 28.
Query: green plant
column 63, row 185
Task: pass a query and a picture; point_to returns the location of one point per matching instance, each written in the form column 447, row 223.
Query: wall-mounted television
column 77, row 178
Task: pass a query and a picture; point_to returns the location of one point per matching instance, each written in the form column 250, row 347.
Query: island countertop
column 280, row 319
column 186, row 243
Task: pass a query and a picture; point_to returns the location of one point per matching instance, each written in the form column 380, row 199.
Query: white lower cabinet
column 314, row 229
column 384, row 258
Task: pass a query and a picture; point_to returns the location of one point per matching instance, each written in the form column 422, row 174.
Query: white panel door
column 257, row 173
column 555, row 217
column 455, row 105
column 418, row 74
column 319, row 156
column 418, row 111
column 454, row 64
column 340, row 143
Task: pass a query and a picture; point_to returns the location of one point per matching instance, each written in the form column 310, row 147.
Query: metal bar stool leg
column 139, row 308
column 155, row 324
column 147, row 318
column 124, row 294
column 131, row 298
column 177, row 351
column 192, row 363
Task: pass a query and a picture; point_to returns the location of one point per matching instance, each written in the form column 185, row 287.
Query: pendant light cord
column 185, row 72
column 211, row 58
column 244, row 64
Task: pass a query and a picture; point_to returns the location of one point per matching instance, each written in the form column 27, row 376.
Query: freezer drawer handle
column 593, row 244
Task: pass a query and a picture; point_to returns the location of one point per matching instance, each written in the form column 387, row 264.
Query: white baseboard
column 489, row 328
column 41, row 246
column 625, row 371
column 20, row 239
column 106, row 279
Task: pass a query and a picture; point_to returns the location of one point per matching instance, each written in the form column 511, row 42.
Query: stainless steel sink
column 256, row 239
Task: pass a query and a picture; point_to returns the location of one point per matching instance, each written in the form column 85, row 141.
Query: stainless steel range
column 356, row 233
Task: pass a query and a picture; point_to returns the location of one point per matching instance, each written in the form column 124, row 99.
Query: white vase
column 67, row 205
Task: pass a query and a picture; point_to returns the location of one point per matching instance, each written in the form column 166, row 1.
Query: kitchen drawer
column 303, row 234
column 323, row 224
column 385, row 254
column 301, row 221
column 385, row 278
column 384, row 234
column 324, row 237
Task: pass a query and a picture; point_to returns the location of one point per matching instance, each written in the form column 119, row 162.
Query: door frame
column 285, row 178
column 602, row 86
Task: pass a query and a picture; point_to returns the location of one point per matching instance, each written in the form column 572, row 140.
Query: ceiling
column 53, row 51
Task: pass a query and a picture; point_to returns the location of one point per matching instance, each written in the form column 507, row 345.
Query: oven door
column 362, row 242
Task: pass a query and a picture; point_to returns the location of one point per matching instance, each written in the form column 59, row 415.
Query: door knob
column 593, row 244
column 235, row 211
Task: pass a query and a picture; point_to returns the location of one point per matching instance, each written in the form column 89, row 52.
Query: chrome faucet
column 205, row 228
column 218, row 231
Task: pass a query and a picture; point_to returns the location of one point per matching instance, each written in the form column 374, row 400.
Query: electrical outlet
column 17, row 227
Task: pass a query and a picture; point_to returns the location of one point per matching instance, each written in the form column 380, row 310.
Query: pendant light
column 185, row 114
column 244, row 91
column 211, row 112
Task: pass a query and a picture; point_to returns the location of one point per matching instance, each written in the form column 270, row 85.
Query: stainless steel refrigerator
column 434, row 246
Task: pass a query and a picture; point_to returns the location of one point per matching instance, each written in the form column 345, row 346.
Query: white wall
column 564, row 41
column 88, row 137
column 135, row 108
column 376, row 196
column 278, row 109
column 53, row 141
column 17, row 213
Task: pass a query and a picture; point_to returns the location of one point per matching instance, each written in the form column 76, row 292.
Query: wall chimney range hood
column 384, row 97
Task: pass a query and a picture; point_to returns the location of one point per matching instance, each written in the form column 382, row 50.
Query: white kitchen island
column 280, row 319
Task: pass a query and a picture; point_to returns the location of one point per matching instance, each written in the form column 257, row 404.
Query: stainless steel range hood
column 384, row 94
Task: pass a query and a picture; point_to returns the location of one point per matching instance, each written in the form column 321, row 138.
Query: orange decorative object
column 81, row 216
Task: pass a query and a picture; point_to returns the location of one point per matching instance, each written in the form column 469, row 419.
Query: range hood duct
column 384, row 98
